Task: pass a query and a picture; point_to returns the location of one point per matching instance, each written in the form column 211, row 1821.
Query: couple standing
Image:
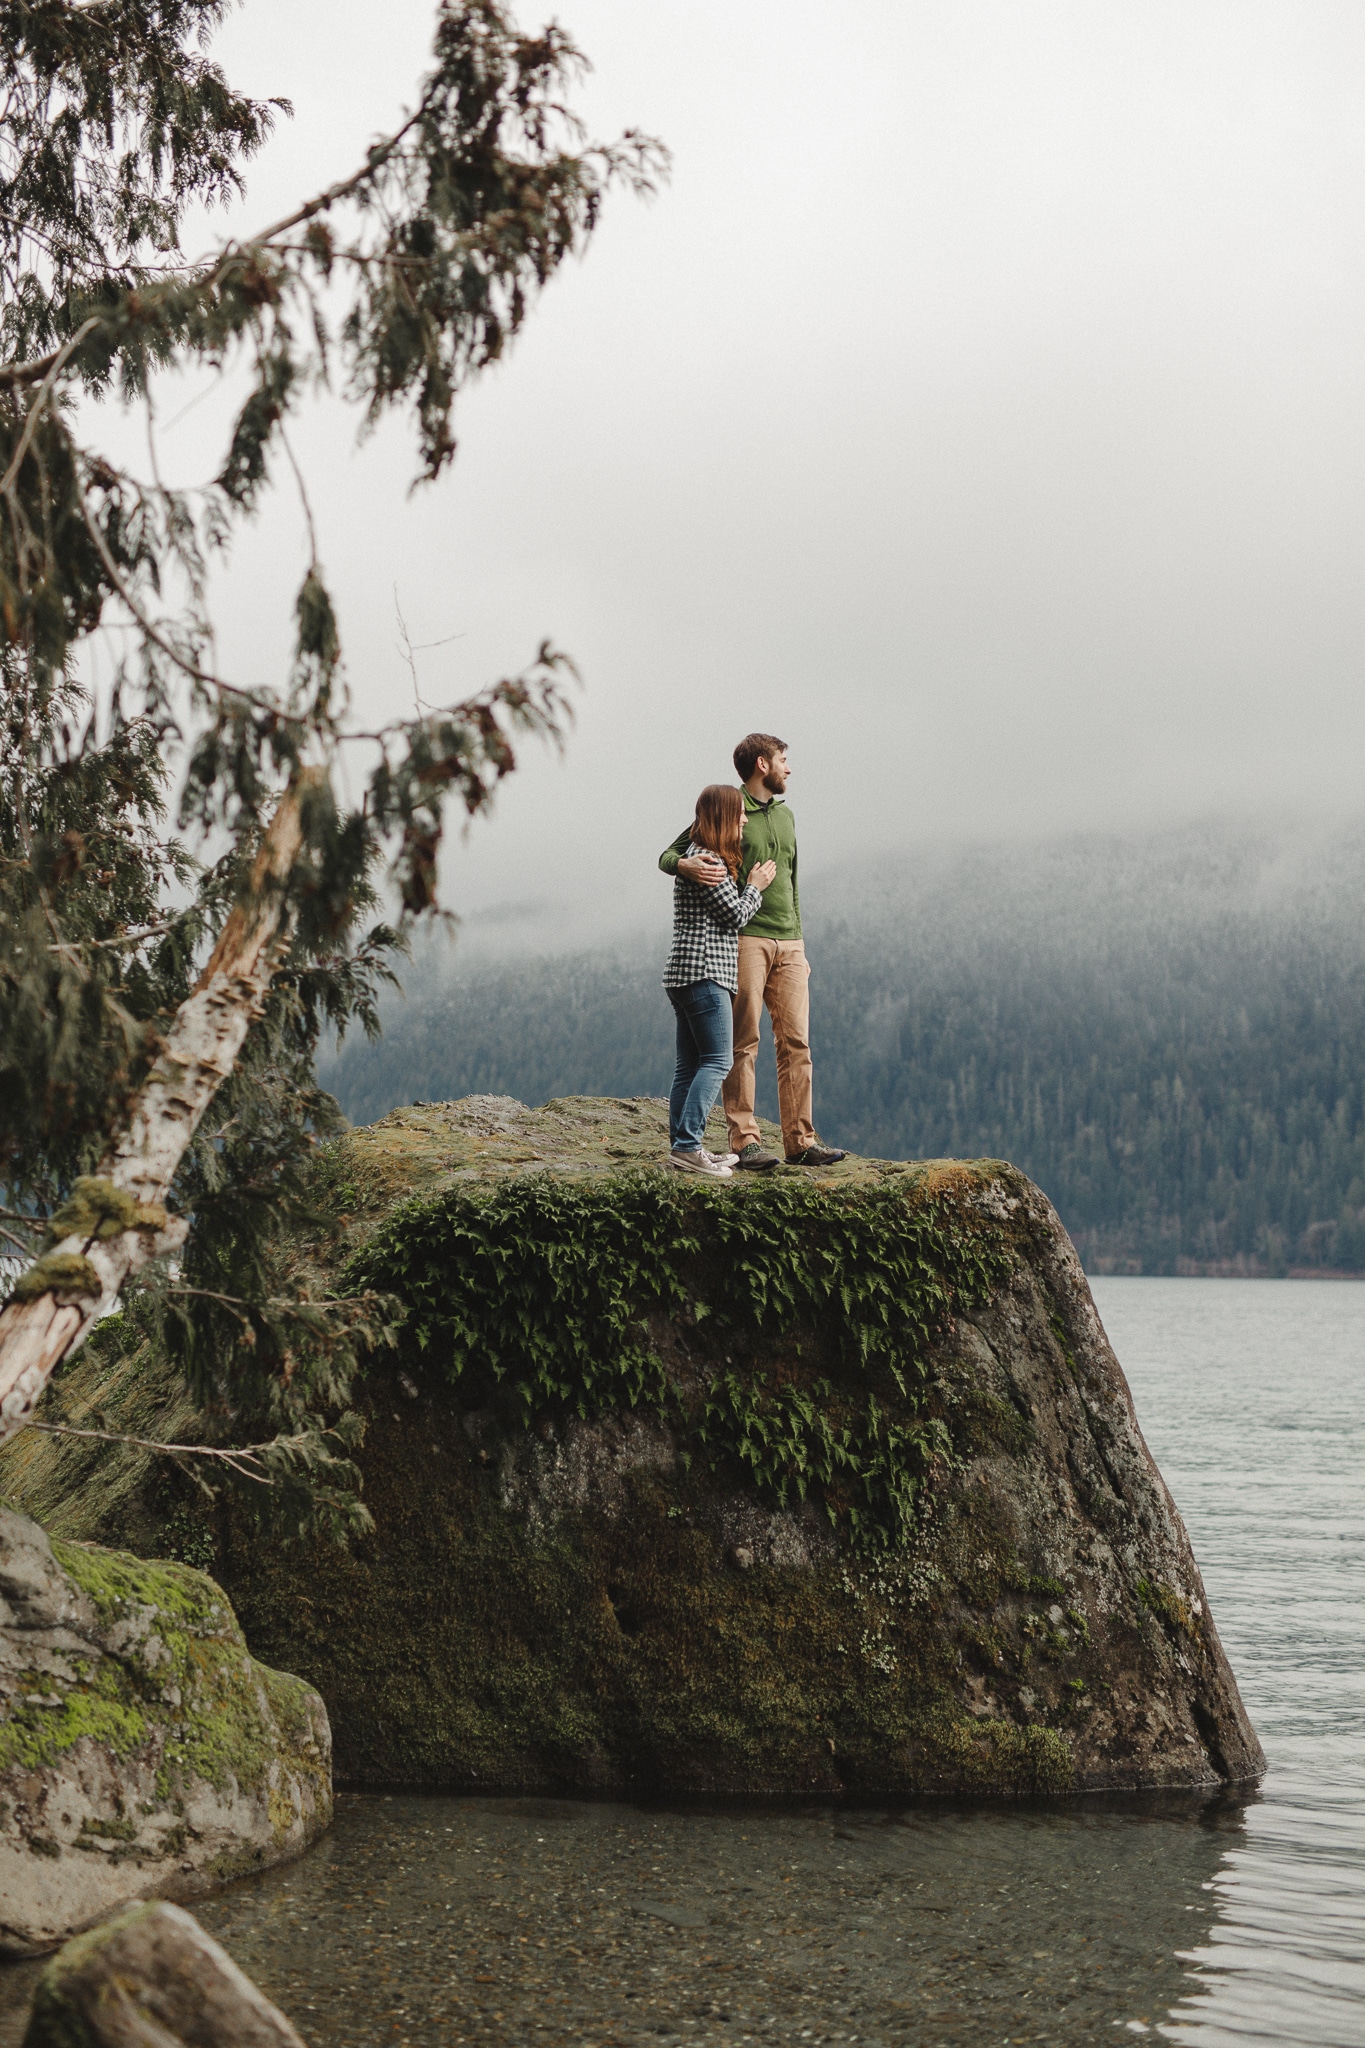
column 736, row 946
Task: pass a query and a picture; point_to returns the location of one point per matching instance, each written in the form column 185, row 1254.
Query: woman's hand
column 760, row 876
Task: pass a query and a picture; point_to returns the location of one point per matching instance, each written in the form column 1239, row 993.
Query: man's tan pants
column 775, row 972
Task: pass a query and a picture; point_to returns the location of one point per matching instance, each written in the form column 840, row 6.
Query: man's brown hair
column 719, row 823
column 750, row 748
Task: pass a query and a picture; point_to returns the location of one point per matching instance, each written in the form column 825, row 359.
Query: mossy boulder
column 804, row 1483
column 150, row 1975
column 142, row 1749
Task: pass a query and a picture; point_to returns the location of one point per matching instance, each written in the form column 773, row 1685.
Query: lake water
column 1239, row 1919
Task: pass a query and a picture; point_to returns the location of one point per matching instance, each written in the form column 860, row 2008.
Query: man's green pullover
column 769, row 834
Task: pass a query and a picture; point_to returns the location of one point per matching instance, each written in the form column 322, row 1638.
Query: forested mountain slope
column 1165, row 1034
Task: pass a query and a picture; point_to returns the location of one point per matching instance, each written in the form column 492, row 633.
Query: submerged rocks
column 808, row 1484
column 142, row 1750
column 151, row 1976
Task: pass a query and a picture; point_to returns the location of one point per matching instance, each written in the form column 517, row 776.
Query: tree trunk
column 197, row 1055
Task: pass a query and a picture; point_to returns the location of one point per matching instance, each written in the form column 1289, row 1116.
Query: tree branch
column 154, row 634
column 60, row 359
column 38, row 367
column 243, row 1458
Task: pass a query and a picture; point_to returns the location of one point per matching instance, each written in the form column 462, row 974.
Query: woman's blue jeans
column 705, row 1056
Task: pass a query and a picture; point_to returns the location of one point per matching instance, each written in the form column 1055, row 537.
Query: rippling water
column 1233, row 1920
column 1252, row 1397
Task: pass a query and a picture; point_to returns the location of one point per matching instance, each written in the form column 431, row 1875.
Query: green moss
column 230, row 1739
column 1031, row 1583
column 109, row 1830
column 980, row 1422
column 58, row 1273
column 987, row 1648
column 120, row 1585
column 1051, row 1642
column 183, row 1679
column 95, row 1208
column 1058, row 1328
column 1166, row 1604
column 234, row 1863
column 990, row 1756
column 537, row 1293
column 107, row 1710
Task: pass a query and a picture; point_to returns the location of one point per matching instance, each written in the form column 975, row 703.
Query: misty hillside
column 1166, row 1034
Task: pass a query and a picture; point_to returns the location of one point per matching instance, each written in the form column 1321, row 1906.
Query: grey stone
column 151, row 1978
column 672, row 1916
column 561, row 1607
column 143, row 1751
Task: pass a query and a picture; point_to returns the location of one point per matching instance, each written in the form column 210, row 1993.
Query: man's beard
column 774, row 782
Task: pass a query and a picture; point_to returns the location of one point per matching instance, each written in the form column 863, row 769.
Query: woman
column 702, row 975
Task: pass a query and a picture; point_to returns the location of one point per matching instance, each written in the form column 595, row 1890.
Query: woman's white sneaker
column 722, row 1158
column 699, row 1162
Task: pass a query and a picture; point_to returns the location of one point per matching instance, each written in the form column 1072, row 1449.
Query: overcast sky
column 980, row 406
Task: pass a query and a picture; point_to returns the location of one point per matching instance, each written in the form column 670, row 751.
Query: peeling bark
column 197, row 1055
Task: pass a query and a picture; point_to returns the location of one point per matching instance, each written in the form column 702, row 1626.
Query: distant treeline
column 1168, row 1038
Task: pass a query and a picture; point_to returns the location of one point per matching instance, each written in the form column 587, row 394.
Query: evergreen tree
column 159, row 1015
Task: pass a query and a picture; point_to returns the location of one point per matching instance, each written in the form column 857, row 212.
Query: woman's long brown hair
column 719, row 823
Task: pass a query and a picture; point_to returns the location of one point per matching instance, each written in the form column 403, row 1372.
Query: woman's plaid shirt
column 706, row 928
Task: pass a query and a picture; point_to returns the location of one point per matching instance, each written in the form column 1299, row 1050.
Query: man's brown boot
column 753, row 1159
column 814, row 1155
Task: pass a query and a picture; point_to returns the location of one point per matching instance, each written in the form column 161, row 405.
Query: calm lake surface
column 1235, row 1920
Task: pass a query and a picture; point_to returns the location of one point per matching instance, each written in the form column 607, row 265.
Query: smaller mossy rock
column 143, row 1751
column 151, row 1975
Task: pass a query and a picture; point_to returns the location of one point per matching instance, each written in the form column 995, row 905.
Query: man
column 772, row 963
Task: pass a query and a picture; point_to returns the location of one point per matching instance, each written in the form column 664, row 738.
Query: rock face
column 151, row 1975
column 142, row 1750
column 797, row 1484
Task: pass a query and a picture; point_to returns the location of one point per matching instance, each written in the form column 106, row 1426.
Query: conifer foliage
column 158, row 1012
